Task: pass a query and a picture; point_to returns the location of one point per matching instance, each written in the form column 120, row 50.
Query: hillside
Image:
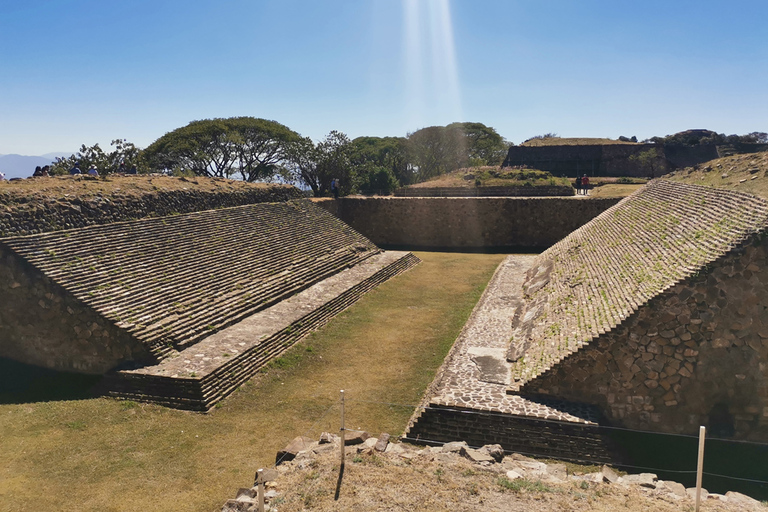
column 490, row 176
column 745, row 173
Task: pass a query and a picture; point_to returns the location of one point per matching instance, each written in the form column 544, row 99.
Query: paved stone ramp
column 199, row 376
column 588, row 283
column 468, row 398
column 173, row 281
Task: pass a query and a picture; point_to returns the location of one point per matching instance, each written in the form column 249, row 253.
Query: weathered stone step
column 190, row 382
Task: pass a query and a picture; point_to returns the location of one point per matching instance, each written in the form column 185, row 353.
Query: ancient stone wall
column 514, row 433
column 570, row 160
column 57, row 214
column 466, row 223
column 695, row 355
column 688, row 156
column 548, row 191
column 613, row 159
column 43, row 325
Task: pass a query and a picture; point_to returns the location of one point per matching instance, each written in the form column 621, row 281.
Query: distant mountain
column 20, row 166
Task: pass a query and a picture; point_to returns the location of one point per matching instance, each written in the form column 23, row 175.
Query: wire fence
column 596, row 427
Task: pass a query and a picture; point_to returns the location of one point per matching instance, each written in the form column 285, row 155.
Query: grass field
column 60, row 451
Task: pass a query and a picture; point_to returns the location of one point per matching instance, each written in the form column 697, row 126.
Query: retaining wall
column 43, row 325
column 543, row 191
column 466, row 223
column 696, row 355
column 517, row 434
column 66, row 213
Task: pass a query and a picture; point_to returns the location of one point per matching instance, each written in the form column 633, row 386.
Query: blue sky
column 80, row 71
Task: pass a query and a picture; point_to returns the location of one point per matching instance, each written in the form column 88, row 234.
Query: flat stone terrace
column 475, row 374
column 588, row 283
column 468, row 398
column 201, row 375
column 173, row 281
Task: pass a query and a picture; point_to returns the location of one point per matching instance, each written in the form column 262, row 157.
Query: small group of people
column 582, row 185
column 91, row 171
column 41, row 171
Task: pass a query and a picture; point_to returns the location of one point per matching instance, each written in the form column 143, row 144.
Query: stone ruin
column 181, row 309
column 653, row 316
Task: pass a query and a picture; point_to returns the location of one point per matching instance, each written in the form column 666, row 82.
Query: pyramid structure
column 132, row 299
column 653, row 316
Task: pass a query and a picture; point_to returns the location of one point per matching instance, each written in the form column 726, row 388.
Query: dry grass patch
column 744, row 173
column 102, row 454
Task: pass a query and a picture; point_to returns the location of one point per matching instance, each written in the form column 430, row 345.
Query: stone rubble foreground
column 301, row 452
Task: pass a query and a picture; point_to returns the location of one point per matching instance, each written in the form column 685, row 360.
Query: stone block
column 495, row 451
column 355, row 437
column 382, row 442
column 293, row 448
column 609, row 475
column 643, row 480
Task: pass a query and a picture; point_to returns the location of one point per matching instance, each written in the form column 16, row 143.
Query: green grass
column 61, row 451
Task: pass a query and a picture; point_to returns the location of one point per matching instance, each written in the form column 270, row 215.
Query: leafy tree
column 334, row 162
column 316, row 165
column 390, row 153
column 375, row 179
column 254, row 148
column 651, row 160
column 484, row 145
column 436, row 150
column 302, row 157
column 124, row 152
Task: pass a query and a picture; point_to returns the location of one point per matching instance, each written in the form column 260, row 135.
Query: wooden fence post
column 341, row 431
column 700, row 466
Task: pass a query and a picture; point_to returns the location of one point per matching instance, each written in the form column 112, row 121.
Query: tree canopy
column 250, row 148
column 123, row 157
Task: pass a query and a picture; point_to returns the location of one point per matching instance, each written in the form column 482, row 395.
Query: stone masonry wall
column 57, row 214
column 695, row 355
column 544, row 191
column 514, row 433
column 42, row 325
column 463, row 223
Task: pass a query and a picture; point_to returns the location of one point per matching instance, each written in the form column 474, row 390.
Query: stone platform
column 468, row 399
column 199, row 376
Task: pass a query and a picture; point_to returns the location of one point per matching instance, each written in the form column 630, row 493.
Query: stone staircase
column 173, row 281
column 201, row 375
column 213, row 295
column 591, row 281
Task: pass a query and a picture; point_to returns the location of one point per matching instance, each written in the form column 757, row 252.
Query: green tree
column 124, row 152
column 256, row 149
column 651, row 161
column 316, row 165
column 436, row 150
column 484, row 145
column 390, row 153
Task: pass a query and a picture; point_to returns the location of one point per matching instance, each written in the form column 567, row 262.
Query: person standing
column 578, row 185
column 335, row 188
column 585, row 184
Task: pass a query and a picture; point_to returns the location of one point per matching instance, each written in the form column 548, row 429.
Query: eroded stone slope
column 596, row 277
column 173, row 281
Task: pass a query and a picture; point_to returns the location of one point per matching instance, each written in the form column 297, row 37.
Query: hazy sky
column 88, row 71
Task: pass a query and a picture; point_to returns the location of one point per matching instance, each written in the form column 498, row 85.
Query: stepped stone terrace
column 653, row 316
column 163, row 300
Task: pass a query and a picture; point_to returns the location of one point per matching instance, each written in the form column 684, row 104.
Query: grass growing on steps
column 102, row 454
